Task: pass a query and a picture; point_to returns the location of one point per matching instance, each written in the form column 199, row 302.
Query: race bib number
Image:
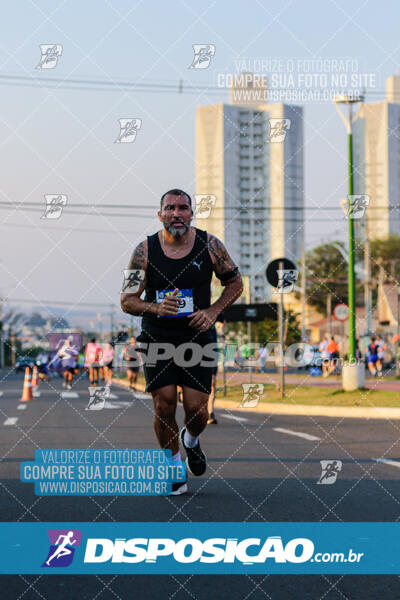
column 185, row 298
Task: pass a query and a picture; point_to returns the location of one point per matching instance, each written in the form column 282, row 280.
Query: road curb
column 353, row 412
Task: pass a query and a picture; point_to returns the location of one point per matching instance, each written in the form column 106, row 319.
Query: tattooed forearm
column 139, row 257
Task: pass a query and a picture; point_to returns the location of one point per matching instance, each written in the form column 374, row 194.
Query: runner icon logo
column 50, row 55
column 54, row 206
column 63, row 543
column 204, row 204
column 355, row 206
column 203, row 54
column 287, row 279
column 132, row 280
column 330, row 470
column 128, row 130
column 252, row 393
column 98, row 397
column 278, row 129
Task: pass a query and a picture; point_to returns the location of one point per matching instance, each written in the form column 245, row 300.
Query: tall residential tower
column 249, row 155
column 376, row 147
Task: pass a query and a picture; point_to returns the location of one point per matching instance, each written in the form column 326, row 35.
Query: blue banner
column 103, row 472
column 200, row 548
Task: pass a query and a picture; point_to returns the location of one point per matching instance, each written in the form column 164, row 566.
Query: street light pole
column 303, row 293
column 349, row 102
column 351, row 275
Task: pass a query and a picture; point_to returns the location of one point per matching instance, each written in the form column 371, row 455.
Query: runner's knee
column 165, row 405
column 197, row 414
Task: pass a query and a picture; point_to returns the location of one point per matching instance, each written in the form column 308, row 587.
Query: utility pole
column 112, row 322
column 12, row 344
column 303, row 293
column 329, row 312
column 248, row 300
column 367, row 284
column 281, row 318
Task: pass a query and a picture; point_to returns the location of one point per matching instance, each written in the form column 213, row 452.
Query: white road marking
column 387, row 461
column 233, row 417
column 69, row 395
column 113, row 397
column 113, row 405
column 306, row 436
column 1, row 393
column 11, row 421
column 21, row 407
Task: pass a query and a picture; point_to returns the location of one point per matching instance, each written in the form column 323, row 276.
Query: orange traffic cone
column 27, row 391
column 35, row 382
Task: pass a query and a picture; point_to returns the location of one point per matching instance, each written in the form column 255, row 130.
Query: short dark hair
column 176, row 192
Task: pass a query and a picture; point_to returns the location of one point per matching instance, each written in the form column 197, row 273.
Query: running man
column 68, row 355
column 92, row 360
column 381, row 354
column 178, row 263
column 333, row 349
column 372, row 356
column 62, row 549
column 129, row 354
column 323, row 348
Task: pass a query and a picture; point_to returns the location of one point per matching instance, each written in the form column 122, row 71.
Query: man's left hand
column 203, row 319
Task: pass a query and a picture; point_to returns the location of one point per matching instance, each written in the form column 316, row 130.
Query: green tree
column 326, row 272
column 386, row 252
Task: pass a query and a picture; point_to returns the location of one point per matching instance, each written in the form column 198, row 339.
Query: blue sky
column 62, row 141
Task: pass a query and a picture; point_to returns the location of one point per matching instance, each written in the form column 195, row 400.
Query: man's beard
column 177, row 233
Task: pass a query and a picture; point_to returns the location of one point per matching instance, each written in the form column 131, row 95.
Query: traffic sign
column 271, row 272
column 341, row 312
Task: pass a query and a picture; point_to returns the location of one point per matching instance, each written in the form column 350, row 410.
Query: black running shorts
column 167, row 372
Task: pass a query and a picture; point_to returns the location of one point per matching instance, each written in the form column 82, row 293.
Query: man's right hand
column 169, row 305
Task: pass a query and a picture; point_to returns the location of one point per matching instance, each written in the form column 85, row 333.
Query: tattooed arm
column 228, row 273
column 132, row 304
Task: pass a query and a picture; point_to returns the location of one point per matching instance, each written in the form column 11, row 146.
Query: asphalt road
column 261, row 468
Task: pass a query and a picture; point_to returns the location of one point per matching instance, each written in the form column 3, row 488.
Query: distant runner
column 93, row 354
column 130, row 355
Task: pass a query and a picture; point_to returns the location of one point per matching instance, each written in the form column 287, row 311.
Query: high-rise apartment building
column 376, row 150
column 249, row 154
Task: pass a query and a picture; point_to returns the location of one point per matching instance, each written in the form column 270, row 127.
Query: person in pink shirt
column 108, row 357
column 93, row 355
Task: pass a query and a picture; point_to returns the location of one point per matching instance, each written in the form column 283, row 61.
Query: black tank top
column 191, row 274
